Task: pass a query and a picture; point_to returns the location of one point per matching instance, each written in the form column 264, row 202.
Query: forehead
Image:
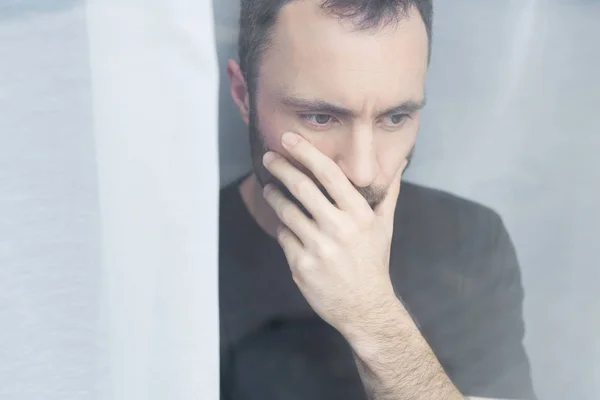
column 315, row 54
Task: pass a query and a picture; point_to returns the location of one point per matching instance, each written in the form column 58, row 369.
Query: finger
column 327, row 172
column 289, row 242
column 387, row 207
column 291, row 216
column 301, row 187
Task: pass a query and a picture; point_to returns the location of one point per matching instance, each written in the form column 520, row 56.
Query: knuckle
column 298, row 279
column 327, row 175
column 305, row 263
column 326, row 250
column 287, row 212
column 282, row 233
column 299, row 186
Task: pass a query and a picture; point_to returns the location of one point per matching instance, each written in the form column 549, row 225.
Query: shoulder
column 233, row 214
column 237, row 230
column 450, row 236
column 444, row 218
column 457, row 271
column 430, row 205
column 229, row 198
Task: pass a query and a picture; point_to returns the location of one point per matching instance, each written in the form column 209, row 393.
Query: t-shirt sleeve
column 496, row 362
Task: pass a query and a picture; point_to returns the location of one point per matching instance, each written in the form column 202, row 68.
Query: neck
column 252, row 195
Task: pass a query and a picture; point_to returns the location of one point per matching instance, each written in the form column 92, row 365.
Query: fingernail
column 289, row 139
column 268, row 158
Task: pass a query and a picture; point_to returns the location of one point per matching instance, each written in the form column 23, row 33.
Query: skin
column 351, row 70
column 339, row 252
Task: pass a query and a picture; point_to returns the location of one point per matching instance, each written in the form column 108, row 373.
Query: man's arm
column 394, row 360
column 402, row 365
column 495, row 364
column 339, row 258
column 482, row 398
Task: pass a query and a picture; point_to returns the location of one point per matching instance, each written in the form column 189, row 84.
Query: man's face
column 355, row 95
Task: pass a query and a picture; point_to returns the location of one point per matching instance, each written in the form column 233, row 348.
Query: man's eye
column 318, row 119
column 396, row 119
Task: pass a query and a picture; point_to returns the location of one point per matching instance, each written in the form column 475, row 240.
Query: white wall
column 511, row 122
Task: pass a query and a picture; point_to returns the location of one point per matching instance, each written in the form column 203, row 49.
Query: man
column 337, row 282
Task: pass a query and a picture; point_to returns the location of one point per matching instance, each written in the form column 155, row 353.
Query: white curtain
column 108, row 200
column 511, row 122
column 108, row 183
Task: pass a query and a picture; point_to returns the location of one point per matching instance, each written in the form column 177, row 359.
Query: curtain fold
column 154, row 89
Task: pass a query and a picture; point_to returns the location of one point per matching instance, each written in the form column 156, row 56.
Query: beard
column 373, row 194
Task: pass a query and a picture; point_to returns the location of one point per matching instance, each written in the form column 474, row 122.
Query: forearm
column 394, row 360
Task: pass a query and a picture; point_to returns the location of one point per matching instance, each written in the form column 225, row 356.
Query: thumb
column 387, row 207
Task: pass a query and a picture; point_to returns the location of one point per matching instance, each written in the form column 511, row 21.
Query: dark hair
column 258, row 18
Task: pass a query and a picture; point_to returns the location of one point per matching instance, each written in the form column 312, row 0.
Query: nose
column 357, row 157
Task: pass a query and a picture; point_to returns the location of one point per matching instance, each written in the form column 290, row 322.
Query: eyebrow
column 320, row 106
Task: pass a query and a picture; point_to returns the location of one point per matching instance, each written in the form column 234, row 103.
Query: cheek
column 272, row 129
column 390, row 160
column 392, row 152
column 275, row 123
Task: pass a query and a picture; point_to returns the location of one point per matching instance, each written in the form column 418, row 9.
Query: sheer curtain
column 108, row 183
column 108, row 197
column 510, row 122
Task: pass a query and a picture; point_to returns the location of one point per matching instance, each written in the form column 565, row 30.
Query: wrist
column 382, row 334
column 377, row 318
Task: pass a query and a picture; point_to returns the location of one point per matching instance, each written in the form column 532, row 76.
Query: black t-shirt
column 453, row 266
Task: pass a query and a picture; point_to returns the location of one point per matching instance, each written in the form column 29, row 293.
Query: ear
column 238, row 89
